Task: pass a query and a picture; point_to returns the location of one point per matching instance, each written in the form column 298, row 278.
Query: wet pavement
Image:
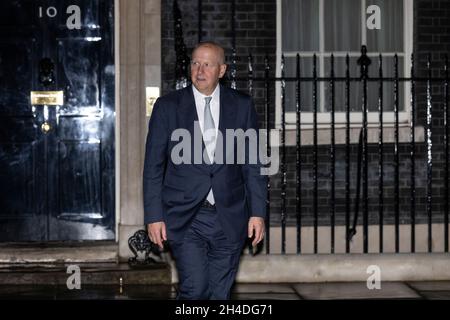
column 256, row 291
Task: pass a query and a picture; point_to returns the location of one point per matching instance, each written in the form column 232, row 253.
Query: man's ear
column 223, row 69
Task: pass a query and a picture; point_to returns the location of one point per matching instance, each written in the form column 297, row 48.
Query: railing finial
column 364, row 61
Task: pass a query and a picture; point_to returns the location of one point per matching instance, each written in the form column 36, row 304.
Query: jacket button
column 211, row 175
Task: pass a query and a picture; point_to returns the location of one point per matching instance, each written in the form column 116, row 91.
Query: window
column 324, row 27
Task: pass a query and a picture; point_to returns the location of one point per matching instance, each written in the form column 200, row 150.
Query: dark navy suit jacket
column 173, row 192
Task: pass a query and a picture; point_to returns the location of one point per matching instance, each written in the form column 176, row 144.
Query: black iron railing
column 377, row 207
column 360, row 198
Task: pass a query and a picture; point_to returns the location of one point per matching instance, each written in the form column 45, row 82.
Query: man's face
column 206, row 69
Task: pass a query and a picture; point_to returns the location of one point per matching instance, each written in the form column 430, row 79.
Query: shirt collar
column 200, row 96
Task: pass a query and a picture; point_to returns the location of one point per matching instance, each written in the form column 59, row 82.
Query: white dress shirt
column 215, row 111
column 214, row 106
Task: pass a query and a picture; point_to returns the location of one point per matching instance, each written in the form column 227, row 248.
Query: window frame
column 324, row 118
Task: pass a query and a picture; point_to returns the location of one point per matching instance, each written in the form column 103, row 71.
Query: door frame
column 138, row 65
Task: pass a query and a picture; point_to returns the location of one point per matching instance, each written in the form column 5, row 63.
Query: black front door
column 57, row 161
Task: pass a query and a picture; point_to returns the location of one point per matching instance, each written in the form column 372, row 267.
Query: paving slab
column 355, row 290
column 263, row 288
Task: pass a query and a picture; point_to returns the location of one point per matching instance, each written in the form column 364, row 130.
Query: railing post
column 250, row 75
column 332, row 158
column 446, row 120
column 283, row 158
column 298, row 178
column 429, row 145
column 233, row 69
column 315, row 156
column 182, row 59
column 347, row 154
column 380, row 153
column 200, row 20
column 250, row 92
column 413, row 158
column 396, row 158
column 364, row 61
column 267, row 121
column 233, row 44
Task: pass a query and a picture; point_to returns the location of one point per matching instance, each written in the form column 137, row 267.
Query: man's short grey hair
column 214, row 45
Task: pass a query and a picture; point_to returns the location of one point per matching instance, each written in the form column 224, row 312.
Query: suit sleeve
column 155, row 163
column 256, row 183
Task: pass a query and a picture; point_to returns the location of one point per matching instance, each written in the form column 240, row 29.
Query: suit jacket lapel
column 227, row 120
column 188, row 111
column 188, row 119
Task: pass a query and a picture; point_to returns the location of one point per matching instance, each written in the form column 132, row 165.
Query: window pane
column 388, row 86
column 342, row 25
column 390, row 37
column 356, row 88
column 339, row 86
column 300, row 25
column 306, row 87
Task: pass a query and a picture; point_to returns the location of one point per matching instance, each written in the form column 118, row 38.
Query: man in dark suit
column 204, row 209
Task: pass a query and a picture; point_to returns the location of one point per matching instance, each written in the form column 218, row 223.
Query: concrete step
column 47, row 264
column 59, row 252
column 90, row 274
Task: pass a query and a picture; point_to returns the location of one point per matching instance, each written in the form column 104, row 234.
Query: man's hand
column 157, row 233
column 256, row 226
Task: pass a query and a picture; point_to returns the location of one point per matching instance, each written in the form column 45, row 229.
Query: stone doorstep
column 90, row 273
column 84, row 252
column 46, row 264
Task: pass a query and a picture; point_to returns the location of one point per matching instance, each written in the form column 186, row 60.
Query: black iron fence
column 415, row 193
column 357, row 200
